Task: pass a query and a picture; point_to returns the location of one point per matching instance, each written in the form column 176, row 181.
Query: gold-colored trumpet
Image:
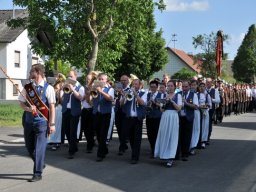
column 66, row 88
column 94, row 93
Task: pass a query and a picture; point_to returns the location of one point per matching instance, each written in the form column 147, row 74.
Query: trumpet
column 66, row 88
column 129, row 95
column 94, row 93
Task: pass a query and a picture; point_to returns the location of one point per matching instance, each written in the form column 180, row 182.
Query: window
column 34, row 60
column 17, row 59
column 15, row 91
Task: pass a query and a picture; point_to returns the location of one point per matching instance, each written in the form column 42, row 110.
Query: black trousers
column 237, row 107
column 185, row 134
column 134, row 127
column 87, row 127
column 211, row 114
column 121, row 129
column 152, row 130
column 69, row 128
column 220, row 111
column 101, row 124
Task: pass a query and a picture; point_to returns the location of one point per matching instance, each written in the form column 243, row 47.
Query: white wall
column 173, row 66
column 20, row 44
column 3, row 56
column 7, row 55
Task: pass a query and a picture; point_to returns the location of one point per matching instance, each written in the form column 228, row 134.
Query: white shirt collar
column 41, row 84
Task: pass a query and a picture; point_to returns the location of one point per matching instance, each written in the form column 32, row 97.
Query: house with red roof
column 178, row 59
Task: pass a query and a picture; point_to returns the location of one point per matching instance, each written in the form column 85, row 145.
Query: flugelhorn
column 66, row 88
column 94, row 92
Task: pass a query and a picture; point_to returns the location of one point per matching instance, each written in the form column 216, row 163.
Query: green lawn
column 10, row 114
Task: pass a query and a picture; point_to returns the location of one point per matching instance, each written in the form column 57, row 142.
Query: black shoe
column 169, row 163
column 207, row 142
column 99, row 159
column 71, row 156
column 120, row 153
column 89, row 151
column 44, row 166
column 133, row 161
column 35, row 178
column 192, row 152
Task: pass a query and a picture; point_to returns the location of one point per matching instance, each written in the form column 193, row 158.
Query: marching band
column 178, row 114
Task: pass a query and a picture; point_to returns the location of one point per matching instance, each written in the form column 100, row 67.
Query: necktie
column 38, row 90
column 134, row 104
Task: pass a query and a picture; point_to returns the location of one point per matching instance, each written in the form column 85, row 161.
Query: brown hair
column 39, row 68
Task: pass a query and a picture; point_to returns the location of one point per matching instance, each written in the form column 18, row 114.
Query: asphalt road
column 227, row 165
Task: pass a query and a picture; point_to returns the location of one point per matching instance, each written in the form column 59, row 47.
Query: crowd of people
column 178, row 114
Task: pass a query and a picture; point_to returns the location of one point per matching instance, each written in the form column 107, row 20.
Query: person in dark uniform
column 189, row 104
column 153, row 114
column 87, row 116
column 215, row 96
column 231, row 99
column 236, row 99
column 134, row 109
column 220, row 110
column 37, row 127
column 120, row 115
column 102, row 108
column 71, row 111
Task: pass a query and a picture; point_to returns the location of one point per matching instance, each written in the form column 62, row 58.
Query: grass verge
column 10, row 114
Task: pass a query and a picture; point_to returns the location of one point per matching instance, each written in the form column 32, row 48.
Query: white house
column 16, row 56
column 177, row 59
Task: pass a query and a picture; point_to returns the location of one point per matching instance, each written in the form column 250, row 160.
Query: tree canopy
column 184, row 74
column 207, row 44
column 113, row 36
column 244, row 66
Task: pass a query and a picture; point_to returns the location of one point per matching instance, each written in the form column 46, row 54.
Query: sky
column 189, row 18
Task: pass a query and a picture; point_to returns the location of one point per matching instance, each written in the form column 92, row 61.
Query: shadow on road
column 217, row 168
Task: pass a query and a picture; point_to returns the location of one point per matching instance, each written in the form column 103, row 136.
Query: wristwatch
column 52, row 124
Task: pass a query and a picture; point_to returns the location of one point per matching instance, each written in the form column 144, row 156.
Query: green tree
column 62, row 67
column 207, row 43
column 96, row 34
column 144, row 50
column 184, row 74
column 244, row 66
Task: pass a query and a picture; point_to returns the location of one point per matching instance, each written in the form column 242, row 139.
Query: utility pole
column 13, row 10
column 174, row 39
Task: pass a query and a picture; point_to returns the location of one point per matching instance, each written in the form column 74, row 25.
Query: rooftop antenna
column 174, row 39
